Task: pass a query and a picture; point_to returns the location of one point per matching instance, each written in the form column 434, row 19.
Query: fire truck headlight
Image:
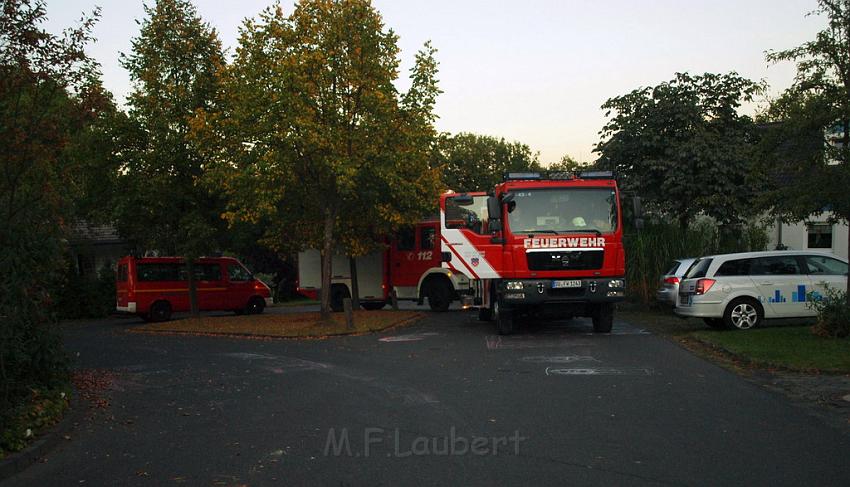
column 616, row 283
column 513, row 286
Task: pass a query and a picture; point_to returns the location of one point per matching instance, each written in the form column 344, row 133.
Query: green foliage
column 40, row 409
column 311, row 129
column 833, row 314
column 86, row 296
column 568, row 164
column 809, row 141
column 650, row 251
column 50, row 97
column 159, row 201
column 472, row 162
column 683, row 147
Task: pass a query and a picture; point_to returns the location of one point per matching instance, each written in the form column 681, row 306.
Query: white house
column 814, row 234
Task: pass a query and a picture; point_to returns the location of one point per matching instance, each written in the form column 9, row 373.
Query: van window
column 699, row 268
column 739, row 267
column 207, row 272
column 160, row 272
column 825, row 266
column 238, row 273
column 780, row 265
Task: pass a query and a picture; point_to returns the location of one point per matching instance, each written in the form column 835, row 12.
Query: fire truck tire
column 439, row 294
column 256, row 305
column 373, row 306
column 160, row 311
column 338, row 293
column 603, row 318
column 505, row 322
column 485, row 314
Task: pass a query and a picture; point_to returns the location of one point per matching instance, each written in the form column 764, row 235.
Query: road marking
column 558, row 359
column 496, row 342
column 600, row 371
column 413, row 337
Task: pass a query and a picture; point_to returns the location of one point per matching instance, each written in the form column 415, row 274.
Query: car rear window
column 699, row 268
column 738, row 267
column 672, row 268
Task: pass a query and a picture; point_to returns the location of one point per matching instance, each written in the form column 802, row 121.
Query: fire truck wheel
column 439, row 294
column 160, row 311
column 255, row 306
column 485, row 314
column 505, row 322
column 603, row 318
column 338, row 293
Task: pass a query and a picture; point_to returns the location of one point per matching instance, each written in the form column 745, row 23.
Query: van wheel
column 439, row 294
column 505, row 322
column 338, row 293
column 160, row 311
column 373, row 306
column 255, row 306
column 603, row 318
column 743, row 314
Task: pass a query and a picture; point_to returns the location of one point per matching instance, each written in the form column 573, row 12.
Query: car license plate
column 564, row 284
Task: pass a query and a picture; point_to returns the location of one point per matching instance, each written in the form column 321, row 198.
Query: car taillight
column 703, row 285
column 671, row 280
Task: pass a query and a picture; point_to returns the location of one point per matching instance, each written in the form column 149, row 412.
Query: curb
column 18, row 462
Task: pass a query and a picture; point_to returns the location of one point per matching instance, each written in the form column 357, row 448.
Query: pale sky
column 535, row 71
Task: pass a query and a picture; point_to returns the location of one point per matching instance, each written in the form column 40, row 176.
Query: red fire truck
column 539, row 242
column 410, row 265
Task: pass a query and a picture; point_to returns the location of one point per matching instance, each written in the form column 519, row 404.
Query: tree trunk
column 355, row 290
column 327, row 263
column 193, row 287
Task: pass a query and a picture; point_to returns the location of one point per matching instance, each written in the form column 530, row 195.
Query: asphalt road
column 443, row 402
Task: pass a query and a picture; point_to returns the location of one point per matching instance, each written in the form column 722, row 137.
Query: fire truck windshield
column 562, row 210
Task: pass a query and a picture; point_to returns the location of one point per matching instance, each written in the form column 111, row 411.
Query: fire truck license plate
column 563, row 284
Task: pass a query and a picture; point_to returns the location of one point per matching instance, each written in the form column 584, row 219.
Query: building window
column 820, row 235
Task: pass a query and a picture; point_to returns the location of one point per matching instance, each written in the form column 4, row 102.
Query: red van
column 155, row 287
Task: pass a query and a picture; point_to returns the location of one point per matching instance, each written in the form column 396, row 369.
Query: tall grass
column 650, row 251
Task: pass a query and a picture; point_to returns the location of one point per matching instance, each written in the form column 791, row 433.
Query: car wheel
column 743, row 314
column 485, row 314
column 256, row 305
column 160, row 311
column 439, row 295
column 505, row 322
column 716, row 323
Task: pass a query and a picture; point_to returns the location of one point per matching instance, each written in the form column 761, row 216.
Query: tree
column 160, row 202
column 683, row 146
column 568, row 164
column 313, row 137
column 50, row 96
column 814, row 120
column 472, row 162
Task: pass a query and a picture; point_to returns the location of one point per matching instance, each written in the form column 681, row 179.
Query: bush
column 86, row 296
column 833, row 314
column 650, row 250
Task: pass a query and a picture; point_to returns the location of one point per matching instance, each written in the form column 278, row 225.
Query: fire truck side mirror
column 494, row 210
column 495, row 225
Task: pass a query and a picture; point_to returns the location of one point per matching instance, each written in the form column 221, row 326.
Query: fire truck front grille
column 569, row 260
